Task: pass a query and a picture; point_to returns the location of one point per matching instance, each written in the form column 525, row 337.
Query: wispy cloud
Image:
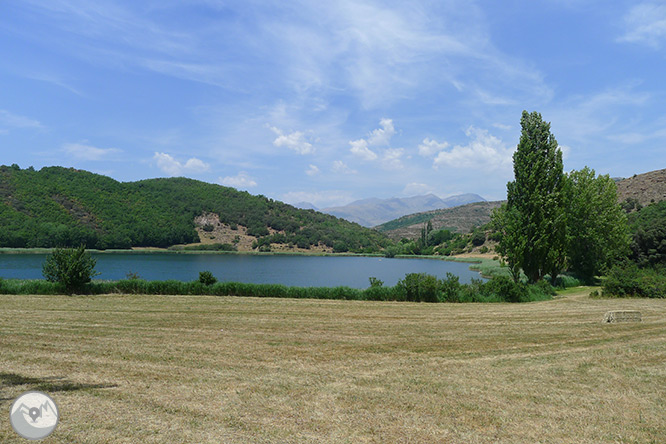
column 339, row 167
column 169, row 165
column 9, row 121
column 417, row 189
column 84, row 151
column 392, row 158
column 646, row 23
column 321, row 199
column 241, row 181
column 312, row 170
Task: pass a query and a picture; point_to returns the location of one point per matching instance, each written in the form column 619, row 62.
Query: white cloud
column 14, row 121
column 417, row 189
column 312, row 170
column 502, row 126
column 242, row 181
column 339, row 167
column 320, row 199
column 295, row 141
column 392, row 158
column 377, row 137
column 89, row 152
column 172, row 167
column 565, row 151
column 360, row 148
column 645, row 23
column 382, row 136
column 484, row 152
column 429, row 147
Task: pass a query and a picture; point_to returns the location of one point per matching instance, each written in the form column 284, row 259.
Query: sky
column 329, row 102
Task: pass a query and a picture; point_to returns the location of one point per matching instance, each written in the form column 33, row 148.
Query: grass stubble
column 158, row 369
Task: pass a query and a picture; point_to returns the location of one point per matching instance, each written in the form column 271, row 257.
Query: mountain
column 644, row 188
column 374, row 211
column 306, row 206
column 459, row 219
column 58, row 206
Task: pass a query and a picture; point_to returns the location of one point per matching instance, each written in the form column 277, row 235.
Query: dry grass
column 164, row 369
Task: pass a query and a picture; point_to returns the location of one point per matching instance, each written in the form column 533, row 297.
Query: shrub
column 506, row 289
column 375, row 283
column 207, row 278
column 450, row 288
column 478, row 238
column 420, row 287
column 70, row 267
column 631, row 281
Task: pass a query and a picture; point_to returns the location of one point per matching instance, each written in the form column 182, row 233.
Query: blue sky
column 329, row 102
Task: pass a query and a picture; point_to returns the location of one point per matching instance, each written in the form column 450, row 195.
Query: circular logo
column 34, row 415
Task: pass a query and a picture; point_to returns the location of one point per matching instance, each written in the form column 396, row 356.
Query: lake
column 302, row 271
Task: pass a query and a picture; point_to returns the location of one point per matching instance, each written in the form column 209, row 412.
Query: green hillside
column 58, row 206
column 458, row 219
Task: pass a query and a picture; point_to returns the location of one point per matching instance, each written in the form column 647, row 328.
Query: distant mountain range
column 374, row 211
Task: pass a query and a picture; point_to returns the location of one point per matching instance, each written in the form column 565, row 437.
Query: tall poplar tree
column 597, row 230
column 534, row 220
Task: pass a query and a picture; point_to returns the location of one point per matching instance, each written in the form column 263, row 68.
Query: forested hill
column 58, row 206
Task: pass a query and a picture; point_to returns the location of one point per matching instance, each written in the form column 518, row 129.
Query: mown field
column 199, row 369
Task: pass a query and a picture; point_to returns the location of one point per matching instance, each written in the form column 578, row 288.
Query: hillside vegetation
column 58, row 206
column 459, row 219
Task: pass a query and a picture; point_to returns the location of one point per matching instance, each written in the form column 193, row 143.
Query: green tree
column 207, row 278
column 534, row 236
column 597, row 230
column 71, row 267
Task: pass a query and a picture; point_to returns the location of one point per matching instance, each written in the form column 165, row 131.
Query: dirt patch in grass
column 158, row 369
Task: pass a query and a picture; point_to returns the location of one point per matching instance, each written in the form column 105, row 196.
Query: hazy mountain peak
column 374, row 211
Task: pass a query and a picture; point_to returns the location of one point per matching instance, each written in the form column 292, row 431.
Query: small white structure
column 622, row 316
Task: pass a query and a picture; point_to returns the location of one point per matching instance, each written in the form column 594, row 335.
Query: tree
column 71, row 267
column 533, row 222
column 597, row 230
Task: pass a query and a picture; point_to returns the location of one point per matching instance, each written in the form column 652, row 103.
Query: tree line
column 58, row 206
column 555, row 221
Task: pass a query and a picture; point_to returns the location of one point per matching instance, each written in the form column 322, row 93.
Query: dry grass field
column 167, row 369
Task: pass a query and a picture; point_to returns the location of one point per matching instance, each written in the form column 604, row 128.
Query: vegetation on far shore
column 566, row 228
column 58, row 206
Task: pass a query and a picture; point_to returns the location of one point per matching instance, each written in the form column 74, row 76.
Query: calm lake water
column 305, row 271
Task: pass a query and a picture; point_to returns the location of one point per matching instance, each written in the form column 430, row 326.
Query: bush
column 70, row 267
column 450, row 288
column 631, row 281
column 420, row 287
column 375, row 283
column 506, row 289
column 478, row 238
column 207, row 278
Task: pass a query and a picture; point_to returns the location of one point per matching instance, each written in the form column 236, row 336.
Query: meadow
column 208, row 369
